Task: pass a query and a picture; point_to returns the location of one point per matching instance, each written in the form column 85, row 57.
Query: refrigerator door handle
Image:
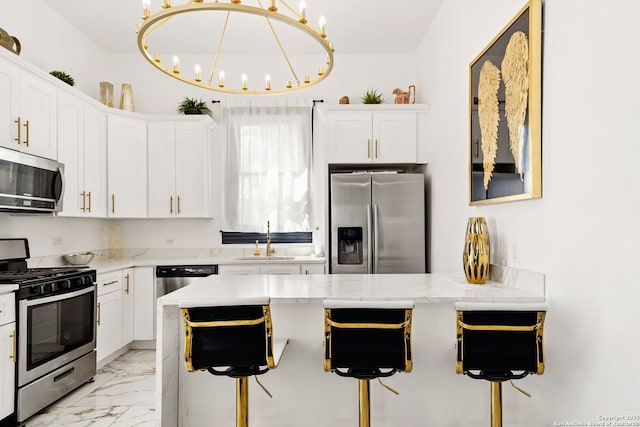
column 370, row 243
column 375, row 239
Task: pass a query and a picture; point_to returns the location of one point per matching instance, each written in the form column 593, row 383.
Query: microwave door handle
column 58, row 182
column 375, row 239
column 369, row 241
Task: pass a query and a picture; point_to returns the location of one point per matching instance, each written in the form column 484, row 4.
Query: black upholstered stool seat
column 229, row 337
column 367, row 340
column 499, row 342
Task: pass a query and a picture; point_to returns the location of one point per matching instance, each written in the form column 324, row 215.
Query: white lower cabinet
column 311, row 268
column 144, row 300
column 239, row 269
column 109, row 317
column 271, row 268
column 128, row 308
column 7, row 354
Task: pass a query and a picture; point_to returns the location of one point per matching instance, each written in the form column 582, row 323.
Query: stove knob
column 45, row 288
column 64, row 284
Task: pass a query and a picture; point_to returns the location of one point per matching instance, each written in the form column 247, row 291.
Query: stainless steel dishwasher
column 172, row 277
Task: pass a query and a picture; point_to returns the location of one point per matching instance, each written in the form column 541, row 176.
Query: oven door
column 54, row 331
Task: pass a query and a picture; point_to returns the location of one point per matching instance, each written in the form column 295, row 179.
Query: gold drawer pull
column 113, row 282
column 26, row 141
column 14, row 338
column 98, row 314
column 19, row 129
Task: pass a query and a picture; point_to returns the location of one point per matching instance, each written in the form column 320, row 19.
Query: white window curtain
column 267, row 166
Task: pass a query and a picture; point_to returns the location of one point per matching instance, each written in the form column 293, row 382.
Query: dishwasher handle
column 186, row 270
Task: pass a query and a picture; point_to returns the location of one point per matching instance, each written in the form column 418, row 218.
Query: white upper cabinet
column 126, row 167
column 371, row 134
column 27, row 112
column 82, row 147
column 178, row 159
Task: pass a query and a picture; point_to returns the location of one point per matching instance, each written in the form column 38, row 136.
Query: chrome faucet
column 269, row 249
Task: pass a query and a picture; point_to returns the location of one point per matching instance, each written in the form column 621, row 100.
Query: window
column 267, row 169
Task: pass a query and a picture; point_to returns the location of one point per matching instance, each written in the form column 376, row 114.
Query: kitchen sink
column 265, row 258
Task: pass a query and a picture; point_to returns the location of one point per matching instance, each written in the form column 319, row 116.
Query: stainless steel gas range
column 56, row 327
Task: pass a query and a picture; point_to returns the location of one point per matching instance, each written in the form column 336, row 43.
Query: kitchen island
column 303, row 394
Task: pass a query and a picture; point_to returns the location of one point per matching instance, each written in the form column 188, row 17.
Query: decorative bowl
column 80, row 258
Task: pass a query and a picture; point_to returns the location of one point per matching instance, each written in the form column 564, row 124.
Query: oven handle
column 59, row 297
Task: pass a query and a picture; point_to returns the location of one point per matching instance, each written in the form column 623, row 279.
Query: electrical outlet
column 56, row 241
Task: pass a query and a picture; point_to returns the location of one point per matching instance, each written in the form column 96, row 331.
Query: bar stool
column 230, row 338
column 367, row 340
column 499, row 342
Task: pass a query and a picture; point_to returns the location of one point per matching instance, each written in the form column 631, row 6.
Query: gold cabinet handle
column 126, row 277
column 170, row 204
column 26, row 125
column 98, row 314
column 83, row 208
column 19, row 129
column 14, row 338
column 89, row 196
column 113, row 282
column 368, row 148
column 113, row 203
column 376, row 148
column 179, row 204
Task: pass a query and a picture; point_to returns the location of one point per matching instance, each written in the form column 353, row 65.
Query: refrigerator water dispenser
column 350, row 245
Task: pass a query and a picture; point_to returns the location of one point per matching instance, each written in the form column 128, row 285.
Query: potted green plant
column 64, row 77
column 193, row 106
column 371, row 96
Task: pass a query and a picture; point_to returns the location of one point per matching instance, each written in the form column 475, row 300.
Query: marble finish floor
column 122, row 395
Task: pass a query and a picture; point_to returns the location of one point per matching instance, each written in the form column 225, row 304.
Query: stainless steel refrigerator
column 377, row 223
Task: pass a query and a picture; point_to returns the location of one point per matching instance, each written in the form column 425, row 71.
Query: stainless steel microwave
column 30, row 183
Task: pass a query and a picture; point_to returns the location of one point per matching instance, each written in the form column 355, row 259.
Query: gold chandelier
column 277, row 10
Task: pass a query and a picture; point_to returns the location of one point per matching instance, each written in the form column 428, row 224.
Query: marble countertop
column 509, row 285
column 152, row 258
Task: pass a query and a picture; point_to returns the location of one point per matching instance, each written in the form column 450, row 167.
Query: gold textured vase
column 126, row 98
column 475, row 258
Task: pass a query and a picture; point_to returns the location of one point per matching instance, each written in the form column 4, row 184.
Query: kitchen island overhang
column 303, row 393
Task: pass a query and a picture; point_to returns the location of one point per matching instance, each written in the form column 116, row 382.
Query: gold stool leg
column 365, row 412
column 496, row 404
column 242, row 402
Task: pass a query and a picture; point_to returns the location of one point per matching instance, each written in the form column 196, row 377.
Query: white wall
column 51, row 43
column 582, row 234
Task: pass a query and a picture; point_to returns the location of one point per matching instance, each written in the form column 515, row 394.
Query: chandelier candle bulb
column 176, row 65
column 288, row 84
column 323, row 23
column 166, row 4
column 221, row 79
column 306, row 79
column 244, row 82
column 273, row 7
column 157, row 58
column 267, row 82
column 146, row 5
column 303, row 10
column 198, row 70
column 320, row 71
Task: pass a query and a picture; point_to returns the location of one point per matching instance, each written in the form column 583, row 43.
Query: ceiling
column 354, row 26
